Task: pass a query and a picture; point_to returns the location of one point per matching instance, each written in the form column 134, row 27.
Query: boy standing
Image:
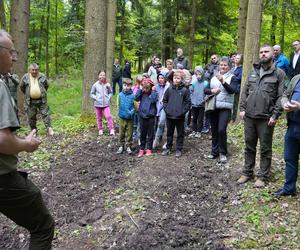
column 177, row 103
column 126, row 114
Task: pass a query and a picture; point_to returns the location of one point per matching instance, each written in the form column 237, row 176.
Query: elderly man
column 181, row 62
column 281, row 60
column 295, row 60
column 260, row 108
column 20, row 199
column 34, row 85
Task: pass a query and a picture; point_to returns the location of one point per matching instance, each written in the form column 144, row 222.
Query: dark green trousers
column 125, row 131
column 22, row 202
column 258, row 129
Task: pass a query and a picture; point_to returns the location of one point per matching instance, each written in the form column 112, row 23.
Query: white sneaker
column 164, row 146
column 193, row 134
column 120, row 150
column 50, row 131
column 129, row 151
column 198, row 135
column 223, row 158
column 100, row 132
column 155, row 143
column 112, row 132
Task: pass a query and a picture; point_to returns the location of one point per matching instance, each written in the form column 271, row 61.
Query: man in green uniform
column 34, row 85
column 20, row 199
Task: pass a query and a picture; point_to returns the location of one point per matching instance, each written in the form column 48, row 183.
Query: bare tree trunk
column 19, row 30
column 282, row 28
column 273, row 26
column 111, row 33
column 192, row 32
column 122, row 30
column 47, row 38
column 56, row 38
column 252, row 42
column 2, row 15
column 243, row 7
column 95, row 47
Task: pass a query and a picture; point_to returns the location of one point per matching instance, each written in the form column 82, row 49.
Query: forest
column 102, row 200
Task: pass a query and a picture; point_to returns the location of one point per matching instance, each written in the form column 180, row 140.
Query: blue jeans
column 136, row 126
column 161, row 124
column 291, row 157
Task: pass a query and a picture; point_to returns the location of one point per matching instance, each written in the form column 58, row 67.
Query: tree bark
column 95, row 47
column 122, row 30
column 243, row 7
column 56, row 38
column 192, row 32
column 19, row 30
column 273, row 25
column 111, row 33
column 2, row 15
column 282, row 28
column 47, row 38
column 252, row 42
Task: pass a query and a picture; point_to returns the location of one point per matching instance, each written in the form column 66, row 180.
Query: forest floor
column 101, row 200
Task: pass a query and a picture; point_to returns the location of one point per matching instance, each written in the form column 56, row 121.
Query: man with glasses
column 295, row 60
column 20, row 199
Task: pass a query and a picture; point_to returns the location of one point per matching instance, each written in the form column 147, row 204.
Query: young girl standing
column 101, row 93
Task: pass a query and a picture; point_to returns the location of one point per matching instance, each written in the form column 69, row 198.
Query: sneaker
column 112, row 132
column 100, row 132
column 243, row 179
column 178, row 153
column 223, row 158
column 148, row 152
column 211, row 157
column 120, row 150
column 193, row 134
column 155, row 142
column 198, row 135
column 165, row 152
column 281, row 192
column 141, row 153
column 259, row 183
column 164, row 146
column 205, row 130
column 50, row 131
column 129, row 151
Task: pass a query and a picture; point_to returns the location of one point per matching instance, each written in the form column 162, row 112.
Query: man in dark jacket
column 260, row 108
column 295, row 60
column 127, row 70
column 181, row 62
column 117, row 76
column 176, row 103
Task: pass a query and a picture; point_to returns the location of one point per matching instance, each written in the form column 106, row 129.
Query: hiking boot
column 50, row 131
column 259, row 183
column 129, row 151
column 120, row 150
column 141, row 153
column 112, row 132
column 148, row 152
column 178, row 153
column 165, row 152
column 155, row 143
column 100, row 132
column 223, row 158
column 243, row 179
column 198, row 135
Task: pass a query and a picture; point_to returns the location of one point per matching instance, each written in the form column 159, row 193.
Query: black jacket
column 296, row 70
column 176, row 101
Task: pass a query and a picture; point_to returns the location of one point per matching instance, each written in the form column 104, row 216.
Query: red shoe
column 141, row 153
column 148, row 152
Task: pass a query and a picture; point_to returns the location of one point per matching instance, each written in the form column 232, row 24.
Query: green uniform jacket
column 287, row 94
column 25, row 87
column 261, row 95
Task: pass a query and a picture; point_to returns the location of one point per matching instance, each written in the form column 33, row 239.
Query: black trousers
column 171, row 124
column 147, row 132
column 198, row 116
column 258, row 129
column 219, row 120
column 22, row 202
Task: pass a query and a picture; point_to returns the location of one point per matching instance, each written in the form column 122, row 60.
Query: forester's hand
column 291, row 106
column 32, row 142
column 242, row 115
column 272, row 122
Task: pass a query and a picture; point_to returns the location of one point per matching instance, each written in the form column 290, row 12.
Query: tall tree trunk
column 19, row 30
column 47, row 38
column 56, row 38
column 95, row 47
column 243, row 7
column 282, row 28
column 111, row 33
column 2, row 15
column 273, row 26
column 192, row 32
column 39, row 55
column 162, row 31
column 252, row 42
column 122, row 32
column 168, row 30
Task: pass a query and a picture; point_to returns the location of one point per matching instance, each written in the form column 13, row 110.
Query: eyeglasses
column 12, row 52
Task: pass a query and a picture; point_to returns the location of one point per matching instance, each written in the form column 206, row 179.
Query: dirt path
column 104, row 201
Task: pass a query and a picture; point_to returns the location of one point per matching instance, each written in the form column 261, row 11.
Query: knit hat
column 160, row 74
column 199, row 69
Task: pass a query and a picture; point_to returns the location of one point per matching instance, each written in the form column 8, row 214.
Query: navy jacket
column 147, row 108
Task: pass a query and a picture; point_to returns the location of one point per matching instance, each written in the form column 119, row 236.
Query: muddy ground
column 101, row 200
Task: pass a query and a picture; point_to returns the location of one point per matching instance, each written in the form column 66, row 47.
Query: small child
column 148, row 98
column 136, row 119
column 177, row 103
column 197, row 99
column 126, row 113
column 101, row 93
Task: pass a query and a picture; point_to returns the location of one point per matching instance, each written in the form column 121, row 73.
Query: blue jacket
column 147, row 108
column 282, row 62
column 197, row 92
column 126, row 105
column 238, row 72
